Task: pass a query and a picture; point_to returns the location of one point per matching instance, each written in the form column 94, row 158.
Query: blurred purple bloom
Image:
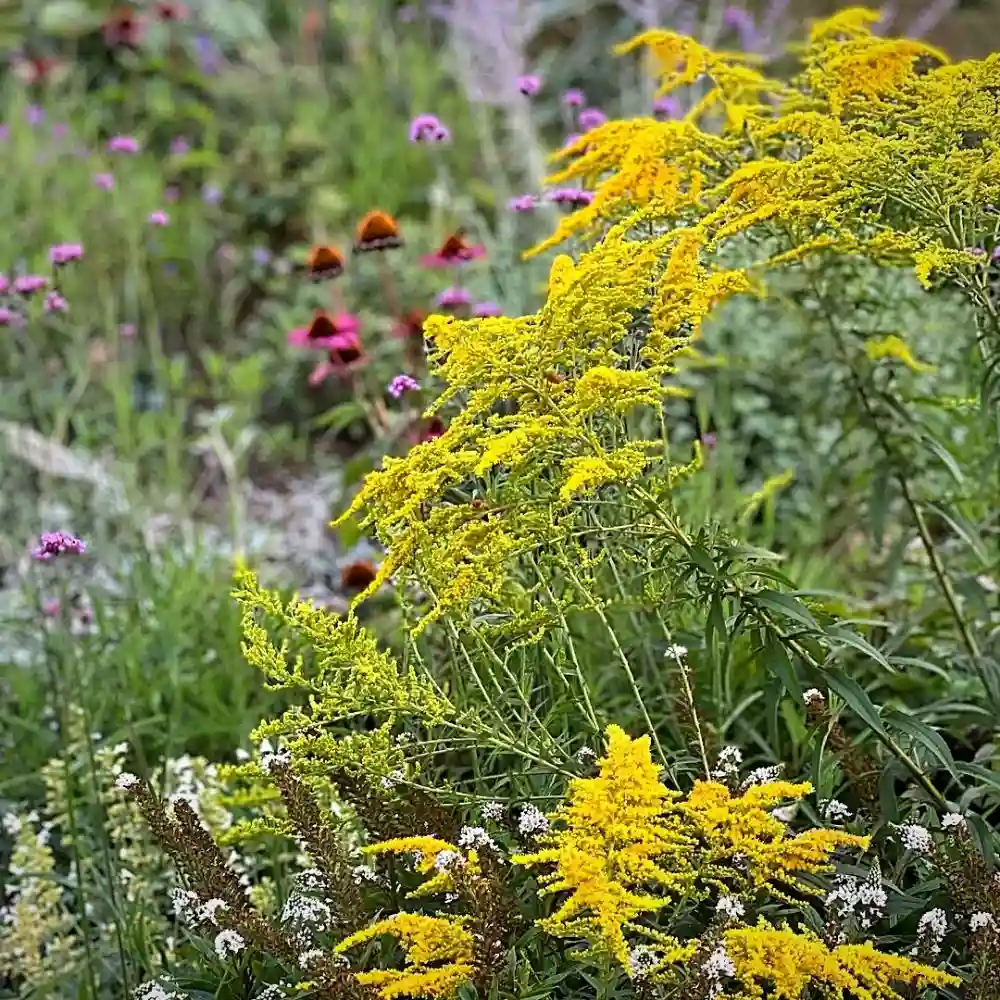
column 708, row 440
column 428, row 128
column 453, row 298
column 743, row 23
column 34, row 115
column 54, row 302
column 261, row 256
column 484, row 309
column 402, row 384
column 63, row 253
column 60, row 131
column 591, row 118
column 4, row 284
column 126, row 330
column 179, row 146
column 58, row 543
column 529, row 85
column 159, row 217
column 123, row 144
column 667, row 106
column 571, row 196
column 104, row 181
column 996, row 254
column 4, row 132
column 8, row 317
column 211, row 194
column 28, row 284
column 171, row 193
column 522, row 203
column 574, row 98
column 208, row 55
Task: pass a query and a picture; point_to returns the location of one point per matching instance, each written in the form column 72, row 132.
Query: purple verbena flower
column 123, row 144
column 4, row 284
column 63, row 253
column 483, row 309
column 211, row 194
column 55, row 303
column 667, row 106
column 104, row 181
column 8, row 317
column 591, row 118
column 261, row 256
column 58, row 543
column 576, row 197
column 28, row 284
column 453, row 298
column 574, row 98
column 523, row 203
column 401, row 385
column 179, row 146
column 529, row 85
column 34, row 115
column 159, row 218
column 428, row 128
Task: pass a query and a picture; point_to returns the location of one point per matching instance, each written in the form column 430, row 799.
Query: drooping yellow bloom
column 783, row 964
column 895, row 348
column 438, row 950
column 435, row 857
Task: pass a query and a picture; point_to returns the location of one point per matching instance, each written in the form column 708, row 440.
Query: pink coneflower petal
column 454, row 298
column 326, row 332
column 320, row 373
column 159, row 218
column 482, row 310
column 28, row 284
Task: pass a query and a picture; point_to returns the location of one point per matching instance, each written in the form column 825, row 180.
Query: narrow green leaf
column 849, row 638
column 778, row 664
column 856, row 699
column 928, row 738
column 786, row 606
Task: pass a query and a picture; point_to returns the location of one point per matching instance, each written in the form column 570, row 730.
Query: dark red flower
column 358, row 576
column 123, row 28
column 453, row 252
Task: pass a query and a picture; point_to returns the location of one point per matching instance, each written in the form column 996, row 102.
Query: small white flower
column 228, row 944
column 446, row 860
column 154, row 991
column 586, row 755
column 980, row 920
column 916, row 838
column 363, row 873
column 730, row 908
column 11, row 823
column 532, row 821
column 785, row 814
column 728, row 763
column 719, row 965
column 269, row 761
column 209, row 911
column 126, row 780
column 677, row 652
column 493, row 811
column 391, row 780
column 834, row 811
column 931, row 929
column 762, row 776
column 641, row 960
column 953, row 821
column 241, row 754
column 813, row 697
column 183, row 901
column 308, row 958
column 475, row 836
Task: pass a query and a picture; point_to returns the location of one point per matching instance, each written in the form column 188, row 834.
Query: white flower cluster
column 762, row 776
column 730, row 908
column 727, row 766
column 126, row 780
column 834, row 811
column 979, row 921
column 931, row 929
column 916, row 838
column 677, row 652
column 493, row 811
column 184, row 902
column 953, row 822
column 363, row 873
column 390, row 781
column 475, row 836
column 228, row 944
column 154, row 991
column 813, row 697
column 641, row 961
column 719, row 966
column 280, row 758
column 208, row 912
column 447, row 860
column 586, row 755
column 532, row 821
column 863, row 899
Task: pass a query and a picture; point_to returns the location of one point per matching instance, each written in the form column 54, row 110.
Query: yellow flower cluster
column 623, row 847
column 438, row 955
column 545, row 398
